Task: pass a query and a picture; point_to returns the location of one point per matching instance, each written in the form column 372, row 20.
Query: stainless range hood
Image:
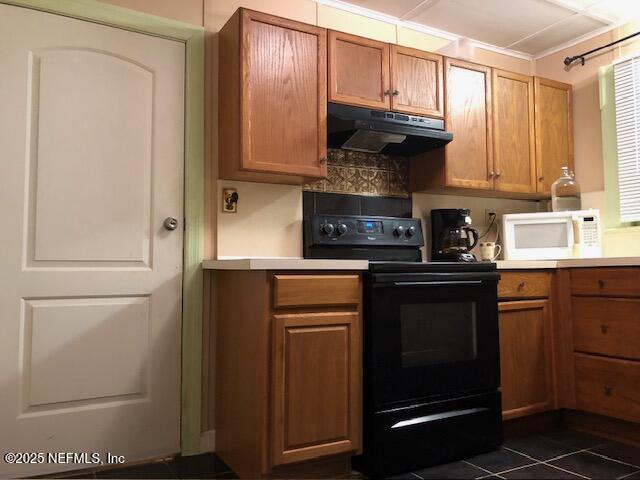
column 374, row 131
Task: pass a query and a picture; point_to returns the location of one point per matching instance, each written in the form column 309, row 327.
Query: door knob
column 170, row 223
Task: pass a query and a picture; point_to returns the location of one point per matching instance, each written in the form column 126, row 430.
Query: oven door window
column 437, row 333
column 423, row 341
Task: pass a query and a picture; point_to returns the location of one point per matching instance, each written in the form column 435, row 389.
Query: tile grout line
column 490, row 476
column 564, row 470
column 559, row 457
column 628, row 475
column 612, row 459
column 478, row 466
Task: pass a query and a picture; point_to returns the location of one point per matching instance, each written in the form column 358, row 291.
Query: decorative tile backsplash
column 364, row 174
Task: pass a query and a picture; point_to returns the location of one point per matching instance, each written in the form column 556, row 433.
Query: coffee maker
column 451, row 236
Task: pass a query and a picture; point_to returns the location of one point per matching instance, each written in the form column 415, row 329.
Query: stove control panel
column 364, row 231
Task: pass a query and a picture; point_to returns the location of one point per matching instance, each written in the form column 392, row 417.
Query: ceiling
column 530, row 27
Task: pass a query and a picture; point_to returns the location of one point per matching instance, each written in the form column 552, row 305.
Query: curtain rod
column 569, row 60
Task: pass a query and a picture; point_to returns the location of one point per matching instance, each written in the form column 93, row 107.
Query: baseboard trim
column 207, row 441
column 607, row 427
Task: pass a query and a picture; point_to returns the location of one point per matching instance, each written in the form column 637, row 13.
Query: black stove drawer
column 405, row 439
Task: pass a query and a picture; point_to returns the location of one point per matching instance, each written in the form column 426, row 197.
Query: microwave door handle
column 437, row 283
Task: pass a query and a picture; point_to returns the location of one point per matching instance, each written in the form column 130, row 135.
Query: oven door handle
column 437, row 283
column 438, row 416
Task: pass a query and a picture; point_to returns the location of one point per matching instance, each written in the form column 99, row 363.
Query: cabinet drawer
column 608, row 326
column 605, row 281
column 315, row 290
column 524, row 284
column 608, row 386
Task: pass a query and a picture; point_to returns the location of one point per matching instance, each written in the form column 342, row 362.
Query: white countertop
column 283, row 263
column 295, row 263
column 569, row 263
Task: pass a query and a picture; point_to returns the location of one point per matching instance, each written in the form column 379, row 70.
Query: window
column 626, row 75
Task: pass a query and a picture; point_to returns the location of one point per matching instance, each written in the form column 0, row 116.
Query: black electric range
column 431, row 356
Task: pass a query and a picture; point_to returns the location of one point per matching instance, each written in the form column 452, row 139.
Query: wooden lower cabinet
column 608, row 386
column 288, row 370
column 316, row 366
column 525, row 358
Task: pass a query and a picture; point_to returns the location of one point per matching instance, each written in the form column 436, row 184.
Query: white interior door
column 91, row 148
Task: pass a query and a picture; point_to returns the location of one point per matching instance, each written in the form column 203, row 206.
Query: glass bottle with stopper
column 565, row 193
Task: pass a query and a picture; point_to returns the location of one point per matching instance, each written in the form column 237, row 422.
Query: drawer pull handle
column 601, row 283
column 608, row 391
column 604, row 328
column 521, row 286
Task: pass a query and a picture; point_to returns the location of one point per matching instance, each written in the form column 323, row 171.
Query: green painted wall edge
column 609, row 147
column 193, row 38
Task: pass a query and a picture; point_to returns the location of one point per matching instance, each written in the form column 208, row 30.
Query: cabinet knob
column 492, row 174
column 601, row 283
column 540, row 179
column 604, row 328
column 396, row 93
column 498, row 174
column 387, row 93
column 323, row 160
column 521, row 286
column 608, row 391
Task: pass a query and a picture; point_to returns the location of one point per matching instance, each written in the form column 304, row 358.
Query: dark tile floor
column 553, row 454
column 207, row 465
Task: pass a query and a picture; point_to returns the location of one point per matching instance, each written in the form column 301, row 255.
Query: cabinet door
column 469, row 157
column 358, row 71
column 554, row 131
column 316, row 398
column 525, row 358
column 513, row 127
column 284, row 103
column 416, row 82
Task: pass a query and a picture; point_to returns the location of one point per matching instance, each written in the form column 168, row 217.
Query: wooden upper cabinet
column 554, row 131
column 526, row 358
column 358, row 71
column 416, row 82
column 273, row 104
column 513, row 127
column 316, row 392
column 469, row 157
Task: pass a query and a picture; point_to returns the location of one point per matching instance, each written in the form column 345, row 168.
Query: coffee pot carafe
column 452, row 238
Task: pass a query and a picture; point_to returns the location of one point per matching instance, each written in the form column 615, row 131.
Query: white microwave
column 552, row 235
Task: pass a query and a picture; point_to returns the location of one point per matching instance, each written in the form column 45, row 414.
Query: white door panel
column 91, row 143
column 106, row 103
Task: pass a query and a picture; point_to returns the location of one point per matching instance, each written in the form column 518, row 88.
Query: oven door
column 431, row 334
